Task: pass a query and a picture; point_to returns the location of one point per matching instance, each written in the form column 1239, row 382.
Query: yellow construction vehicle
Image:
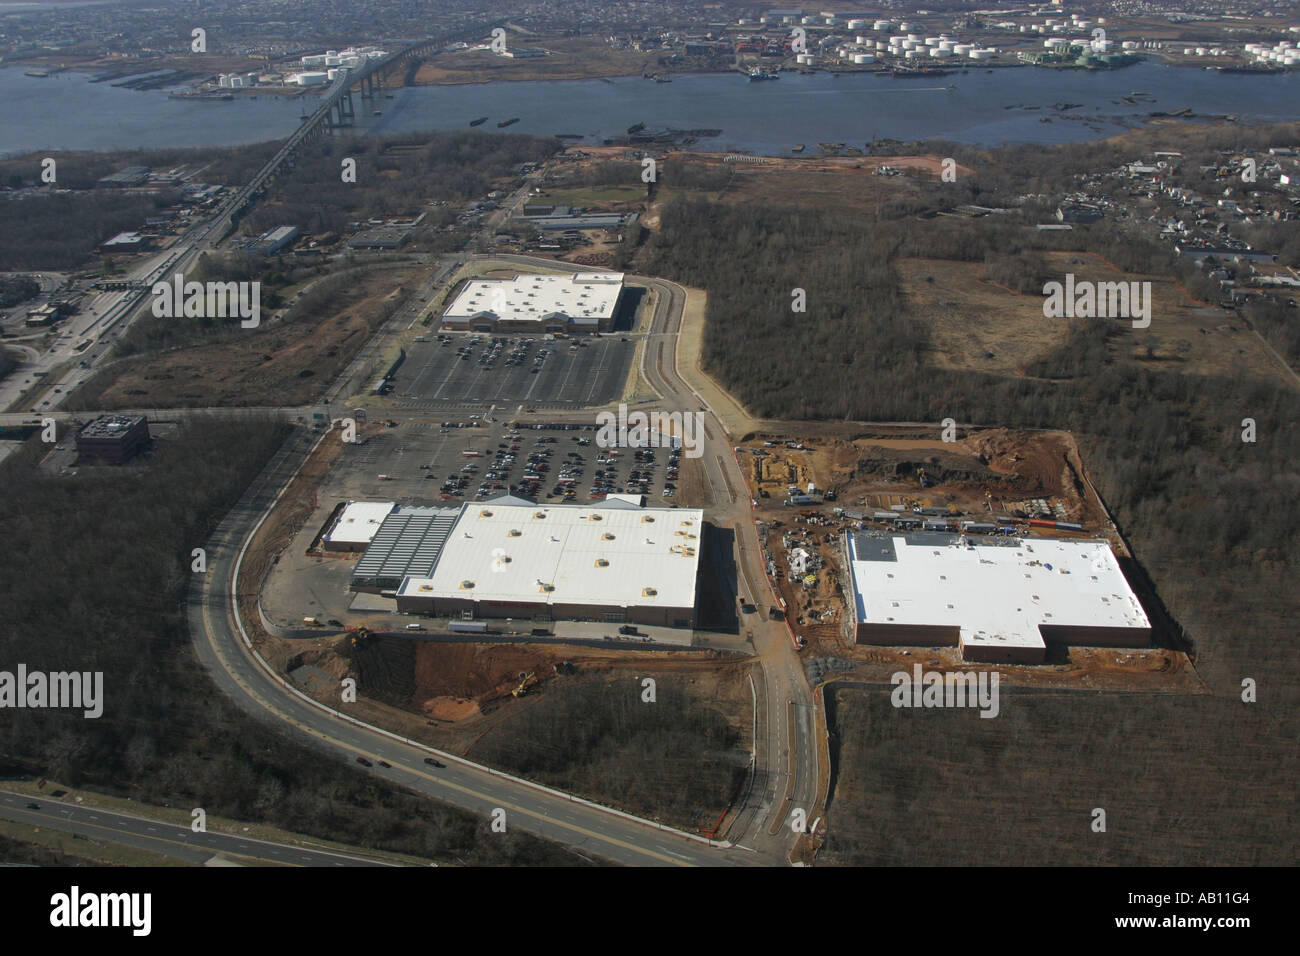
column 525, row 682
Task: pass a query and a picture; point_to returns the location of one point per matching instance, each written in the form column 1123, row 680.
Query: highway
column 157, row 836
column 82, row 345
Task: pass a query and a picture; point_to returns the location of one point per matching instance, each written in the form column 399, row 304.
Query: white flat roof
column 585, row 297
column 359, row 522
column 515, row 553
column 998, row 594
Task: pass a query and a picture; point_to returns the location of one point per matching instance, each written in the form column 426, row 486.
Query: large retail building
column 999, row 600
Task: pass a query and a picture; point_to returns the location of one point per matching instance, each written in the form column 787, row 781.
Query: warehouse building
column 615, row 562
column 125, row 178
column 408, row 542
column 1000, row 601
column 357, row 525
column 276, row 240
column 565, row 217
column 575, row 302
column 112, row 439
column 381, row 238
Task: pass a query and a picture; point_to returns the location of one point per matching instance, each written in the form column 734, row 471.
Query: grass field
column 282, row 363
column 975, row 324
column 593, row 195
column 571, row 58
column 947, row 787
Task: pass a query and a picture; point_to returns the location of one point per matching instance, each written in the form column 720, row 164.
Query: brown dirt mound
column 450, row 708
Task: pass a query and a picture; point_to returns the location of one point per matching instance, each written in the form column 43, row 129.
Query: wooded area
column 96, row 573
column 395, row 177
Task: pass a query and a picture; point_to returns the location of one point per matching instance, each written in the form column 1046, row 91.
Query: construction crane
column 526, row 681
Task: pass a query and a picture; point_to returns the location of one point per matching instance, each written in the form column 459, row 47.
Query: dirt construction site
column 811, row 487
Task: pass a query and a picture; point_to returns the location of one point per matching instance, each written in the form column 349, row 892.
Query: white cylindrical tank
column 962, row 49
column 863, row 58
column 981, row 54
column 909, row 54
column 939, row 52
column 880, row 25
column 857, row 24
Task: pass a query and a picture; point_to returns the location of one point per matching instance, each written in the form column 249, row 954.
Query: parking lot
column 470, row 459
column 445, row 463
column 453, row 370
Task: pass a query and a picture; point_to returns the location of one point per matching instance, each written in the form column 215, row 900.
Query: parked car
column 364, row 762
column 434, row 763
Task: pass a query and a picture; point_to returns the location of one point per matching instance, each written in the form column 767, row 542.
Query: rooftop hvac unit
column 648, row 592
column 602, row 563
column 539, row 514
column 426, row 587
column 546, row 588
column 595, row 517
column 515, row 532
column 466, row 585
column 485, row 514
column 607, row 536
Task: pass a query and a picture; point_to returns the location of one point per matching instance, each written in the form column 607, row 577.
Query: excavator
column 360, row 635
column 526, row 681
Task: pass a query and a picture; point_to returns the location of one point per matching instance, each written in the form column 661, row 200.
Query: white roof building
column 581, row 301
column 999, row 600
column 572, row 561
column 357, row 524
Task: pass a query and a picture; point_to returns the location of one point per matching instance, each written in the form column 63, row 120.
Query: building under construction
column 999, row 600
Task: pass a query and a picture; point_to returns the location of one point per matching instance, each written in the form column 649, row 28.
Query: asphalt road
column 168, row 839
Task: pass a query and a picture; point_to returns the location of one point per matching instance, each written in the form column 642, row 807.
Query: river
column 66, row 111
